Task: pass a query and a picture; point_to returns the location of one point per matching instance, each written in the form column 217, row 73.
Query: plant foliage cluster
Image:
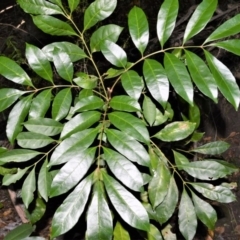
column 78, row 136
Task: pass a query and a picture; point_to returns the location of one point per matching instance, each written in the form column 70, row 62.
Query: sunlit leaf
column 231, row 45
column 120, row 233
column 73, row 4
column 149, row 110
column 154, row 233
column 180, row 159
column 88, row 103
column 124, row 103
column 86, row 81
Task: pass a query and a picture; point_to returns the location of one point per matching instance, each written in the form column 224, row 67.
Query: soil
column 219, row 121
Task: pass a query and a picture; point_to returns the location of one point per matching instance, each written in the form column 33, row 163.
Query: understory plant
column 118, row 141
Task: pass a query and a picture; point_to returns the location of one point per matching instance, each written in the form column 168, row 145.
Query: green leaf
column 72, row 172
column 73, row 4
column 16, row 118
column 88, row 103
column 154, row 233
column 180, row 159
column 86, row 81
column 205, row 212
column 38, row 211
column 201, row 75
column 112, row 72
column 8, row 96
column 194, row 115
column 159, row 185
column 187, row 219
column 123, row 169
column 98, row 11
column 39, row 62
column 68, row 213
column 217, row 193
column 38, row 7
column 149, row 110
column 20, row 232
column 176, row 131
column 127, row 206
column 114, row 54
column 73, row 147
column 224, row 79
column 74, row 51
column 109, row 32
column 201, row 16
column 28, row 188
column 179, row 77
column 61, row 104
column 53, row 26
column 13, row 72
column 58, row 2
column 167, row 207
column 99, row 218
column 120, row 233
column 156, row 80
column 166, row 20
column 228, row 28
column 138, row 28
column 7, row 171
column 34, row 238
column 232, row 45
column 80, row 122
column 130, row 125
column 12, row 178
column 127, row 146
column 125, row 103
column 85, row 93
column 132, row 84
column 46, row 126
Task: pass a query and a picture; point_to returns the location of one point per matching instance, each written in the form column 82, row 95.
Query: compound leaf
column 125, row 103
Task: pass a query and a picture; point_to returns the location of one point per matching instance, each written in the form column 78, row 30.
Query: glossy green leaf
column 138, row 28
column 217, row 193
column 71, row 209
column 127, row 206
column 20, row 232
column 13, row 72
column 156, row 80
column 12, row 178
column 98, row 11
column 130, row 125
column 199, row 19
column 86, row 81
column 72, row 172
column 38, row 62
column 73, row 147
column 74, row 51
column 196, row 136
column 201, row 75
column 166, row 20
column 73, row 4
column 127, row 146
column 99, row 218
column 205, row 212
column 38, row 211
column 46, row 126
column 85, row 93
column 224, row 79
column 114, row 54
column 176, row 131
column 160, row 118
column 179, row 77
column 180, row 159
column 228, row 28
column 187, row 219
column 61, row 104
column 16, row 118
column 109, row 32
column 159, row 185
column 167, row 207
column 28, row 188
column 112, row 72
column 231, row 45
column 123, row 169
column 80, row 122
column 58, row 2
column 154, row 233
column 132, row 84
column 8, row 96
column 53, row 26
column 154, row 160
column 125, row 103
column 149, row 110
column 120, row 233
column 88, row 103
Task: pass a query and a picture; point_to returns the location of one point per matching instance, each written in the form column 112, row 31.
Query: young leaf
column 13, row 72
column 179, row 77
column 224, row 79
column 73, row 4
column 20, row 232
column 12, row 178
column 28, row 188
column 154, row 233
column 176, row 131
column 166, row 20
column 232, row 45
column 187, row 219
column 201, row 75
column 120, row 233
column 39, row 62
column 201, row 16
column 71, row 209
column 138, row 28
column 127, row 206
column 86, row 81
column 61, row 104
column 156, row 80
column 109, row 32
column 123, row 169
column 88, row 103
column 180, row 159
column 99, row 218
column 149, row 110
column 127, row 146
column 125, row 103
column 98, row 11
